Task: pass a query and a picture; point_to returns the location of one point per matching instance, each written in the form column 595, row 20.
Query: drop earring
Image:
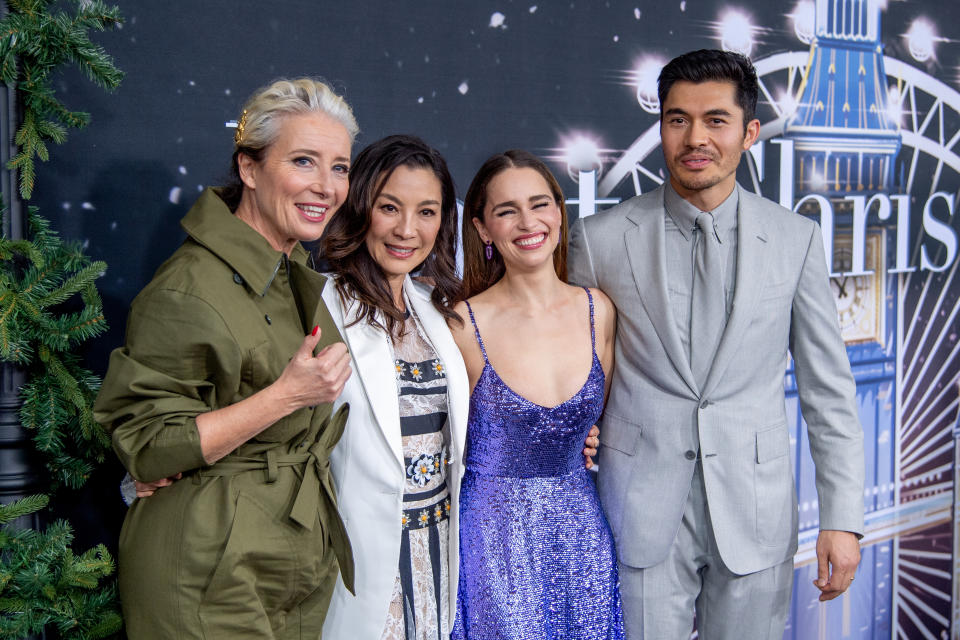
column 488, row 250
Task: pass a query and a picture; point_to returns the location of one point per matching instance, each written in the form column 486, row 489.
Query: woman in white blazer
column 397, row 467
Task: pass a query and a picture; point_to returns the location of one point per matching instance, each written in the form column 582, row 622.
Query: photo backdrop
column 860, row 130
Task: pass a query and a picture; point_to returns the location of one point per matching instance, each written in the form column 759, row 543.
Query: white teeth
column 400, row 250
column 312, row 210
column 526, row 242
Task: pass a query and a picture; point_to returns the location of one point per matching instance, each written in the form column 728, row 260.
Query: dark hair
column 478, row 272
column 712, row 64
column 344, row 239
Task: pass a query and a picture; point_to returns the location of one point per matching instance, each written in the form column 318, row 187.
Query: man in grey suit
column 713, row 285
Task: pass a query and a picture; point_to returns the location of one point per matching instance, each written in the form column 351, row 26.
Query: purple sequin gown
column 536, row 554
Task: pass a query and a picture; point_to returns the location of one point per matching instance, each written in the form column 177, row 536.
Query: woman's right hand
column 308, row 379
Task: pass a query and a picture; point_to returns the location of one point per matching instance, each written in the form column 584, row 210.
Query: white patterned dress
column 418, row 609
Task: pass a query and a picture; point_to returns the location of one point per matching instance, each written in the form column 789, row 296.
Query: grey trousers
column 659, row 602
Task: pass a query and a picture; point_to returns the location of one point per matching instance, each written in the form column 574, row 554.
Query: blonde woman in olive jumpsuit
column 228, row 375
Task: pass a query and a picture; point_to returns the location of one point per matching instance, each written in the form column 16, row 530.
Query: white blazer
column 367, row 463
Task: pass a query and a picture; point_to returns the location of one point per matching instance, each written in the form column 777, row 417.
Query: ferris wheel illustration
column 928, row 110
column 906, row 141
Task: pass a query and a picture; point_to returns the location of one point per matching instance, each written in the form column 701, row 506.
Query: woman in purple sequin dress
column 537, row 559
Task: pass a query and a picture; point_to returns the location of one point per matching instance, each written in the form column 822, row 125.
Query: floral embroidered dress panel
column 419, row 608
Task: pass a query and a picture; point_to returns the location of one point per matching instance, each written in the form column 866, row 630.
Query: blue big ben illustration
column 845, row 150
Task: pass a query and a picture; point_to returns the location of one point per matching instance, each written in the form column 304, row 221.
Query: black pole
column 20, row 468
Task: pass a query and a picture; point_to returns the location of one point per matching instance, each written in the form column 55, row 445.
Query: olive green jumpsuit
column 249, row 547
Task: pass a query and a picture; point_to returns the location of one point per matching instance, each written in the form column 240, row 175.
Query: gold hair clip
column 238, row 136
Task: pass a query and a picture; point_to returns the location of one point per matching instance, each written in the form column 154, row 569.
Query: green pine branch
column 76, row 283
column 44, row 584
column 35, row 42
column 48, row 305
column 22, row 507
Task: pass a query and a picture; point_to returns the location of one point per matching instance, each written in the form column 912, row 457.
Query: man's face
column 702, row 137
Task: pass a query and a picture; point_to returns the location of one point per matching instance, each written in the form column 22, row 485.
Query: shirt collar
column 684, row 214
column 213, row 225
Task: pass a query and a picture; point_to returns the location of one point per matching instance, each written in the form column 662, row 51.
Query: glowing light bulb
column 894, row 105
column 921, row 38
column 818, row 181
column 736, row 32
column 787, row 103
column 804, row 21
column 646, row 74
column 581, row 153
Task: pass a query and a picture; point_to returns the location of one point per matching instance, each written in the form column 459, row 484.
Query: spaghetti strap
column 476, row 329
column 593, row 331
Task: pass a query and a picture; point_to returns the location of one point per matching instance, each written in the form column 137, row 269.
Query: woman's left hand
column 147, row 489
column 591, row 444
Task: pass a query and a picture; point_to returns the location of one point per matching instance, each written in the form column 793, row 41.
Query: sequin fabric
column 537, row 560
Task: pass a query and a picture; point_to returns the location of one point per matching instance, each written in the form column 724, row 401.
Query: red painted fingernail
column 315, row 330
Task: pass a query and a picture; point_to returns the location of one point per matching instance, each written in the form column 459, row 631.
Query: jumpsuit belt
column 315, row 498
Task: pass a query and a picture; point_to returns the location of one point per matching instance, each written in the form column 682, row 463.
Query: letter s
column 940, row 231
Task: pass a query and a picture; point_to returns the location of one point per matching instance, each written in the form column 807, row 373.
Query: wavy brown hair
column 479, row 274
column 359, row 277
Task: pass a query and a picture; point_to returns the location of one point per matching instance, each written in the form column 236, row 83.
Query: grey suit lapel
column 752, row 256
column 645, row 250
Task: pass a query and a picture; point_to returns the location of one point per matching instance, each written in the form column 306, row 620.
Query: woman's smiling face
column 404, row 222
column 521, row 217
column 300, row 181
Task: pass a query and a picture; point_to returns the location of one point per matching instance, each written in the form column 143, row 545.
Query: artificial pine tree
column 42, row 274
column 34, row 43
column 49, row 304
column 44, row 586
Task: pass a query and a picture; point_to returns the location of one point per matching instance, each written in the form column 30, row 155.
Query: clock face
column 859, row 298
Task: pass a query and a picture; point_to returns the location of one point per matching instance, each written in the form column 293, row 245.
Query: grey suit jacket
column 656, row 413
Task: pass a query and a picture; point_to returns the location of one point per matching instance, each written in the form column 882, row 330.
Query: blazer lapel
column 373, row 364
column 752, row 256
column 646, row 250
column 435, row 326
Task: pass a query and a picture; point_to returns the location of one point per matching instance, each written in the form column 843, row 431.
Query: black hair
column 344, row 239
column 705, row 65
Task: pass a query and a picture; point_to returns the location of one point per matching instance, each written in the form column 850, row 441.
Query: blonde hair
column 259, row 124
column 268, row 105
